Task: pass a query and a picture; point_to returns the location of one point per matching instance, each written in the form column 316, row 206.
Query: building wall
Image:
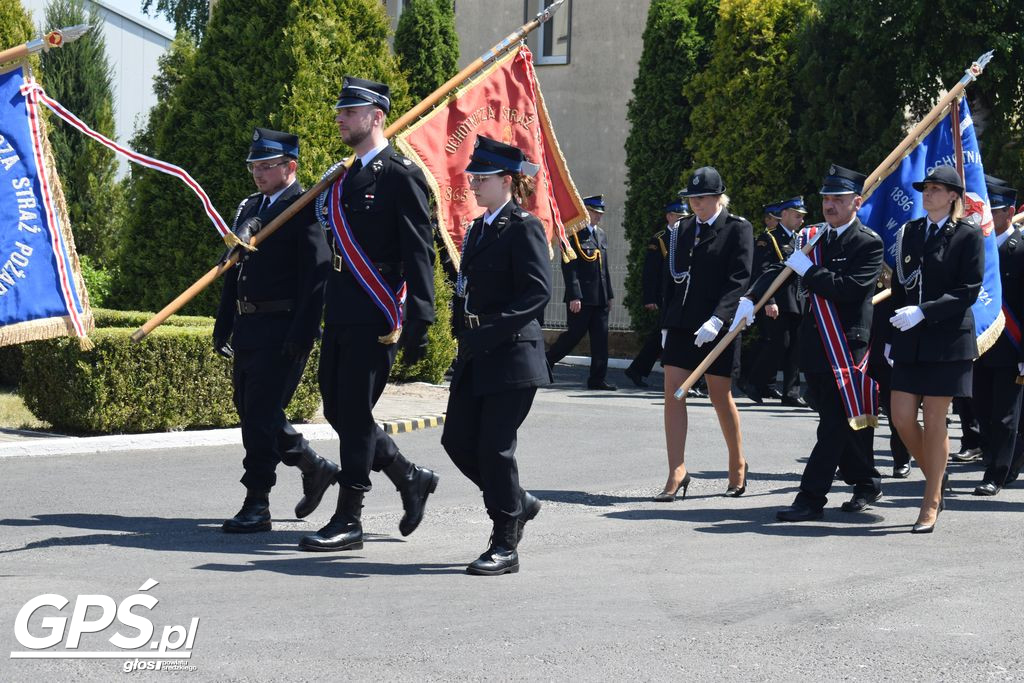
column 133, row 47
column 587, row 101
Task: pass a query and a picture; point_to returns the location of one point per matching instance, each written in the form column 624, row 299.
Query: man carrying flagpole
column 838, row 278
column 381, row 286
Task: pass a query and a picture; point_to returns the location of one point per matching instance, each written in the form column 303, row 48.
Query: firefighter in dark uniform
column 386, row 221
column 268, row 319
column 503, row 286
column 652, row 281
column 780, row 324
column 996, row 393
column 588, row 297
column 851, row 263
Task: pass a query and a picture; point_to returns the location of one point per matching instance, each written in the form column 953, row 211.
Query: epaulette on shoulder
column 403, row 160
column 737, row 217
column 972, row 220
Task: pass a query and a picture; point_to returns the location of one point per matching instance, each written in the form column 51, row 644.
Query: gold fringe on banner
column 47, row 328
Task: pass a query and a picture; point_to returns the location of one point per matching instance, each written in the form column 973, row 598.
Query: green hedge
column 171, row 380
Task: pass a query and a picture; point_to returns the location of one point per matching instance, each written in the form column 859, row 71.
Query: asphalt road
column 612, row 586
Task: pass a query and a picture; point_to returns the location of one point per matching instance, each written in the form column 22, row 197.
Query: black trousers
column 480, row 435
column 779, row 349
column 996, row 402
column 839, row 446
column 648, row 355
column 264, row 381
column 881, row 372
column 970, row 432
column 354, row 369
column 592, row 320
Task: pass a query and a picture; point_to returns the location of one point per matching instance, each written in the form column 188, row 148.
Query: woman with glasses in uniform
column 503, row 285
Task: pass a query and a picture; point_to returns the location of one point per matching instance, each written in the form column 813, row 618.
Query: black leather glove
column 413, row 342
column 244, row 233
column 248, row 228
column 294, row 351
column 222, row 347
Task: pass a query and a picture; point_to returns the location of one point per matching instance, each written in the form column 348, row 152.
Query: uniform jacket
column 589, row 281
column 720, row 264
column 851, row 264
column 653, row 276
column 291, row 264
column 954, row 264
column 1011, row 274
column 508, row 284
column 386, row 206
column 787, row 298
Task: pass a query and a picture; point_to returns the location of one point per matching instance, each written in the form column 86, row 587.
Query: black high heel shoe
column 737, row 491
column 670, row 496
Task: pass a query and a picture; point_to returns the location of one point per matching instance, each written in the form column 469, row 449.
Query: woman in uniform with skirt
column 939, row 268
column 503, row 285
column 709, row 262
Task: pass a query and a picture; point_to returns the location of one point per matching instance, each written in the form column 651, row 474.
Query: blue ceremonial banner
column 894, row 202
column 41, row 290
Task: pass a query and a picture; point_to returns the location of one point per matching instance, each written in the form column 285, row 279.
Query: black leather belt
column 382, row 268
column 280, row 306
column 471, row 321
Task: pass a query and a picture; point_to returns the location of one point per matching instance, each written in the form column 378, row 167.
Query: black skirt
column 940, row 378
column 680, row 351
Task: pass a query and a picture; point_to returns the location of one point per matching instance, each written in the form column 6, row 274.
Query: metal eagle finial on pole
column 404, row 121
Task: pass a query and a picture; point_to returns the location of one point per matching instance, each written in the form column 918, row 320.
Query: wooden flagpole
column 497, row 50
column 913, row 138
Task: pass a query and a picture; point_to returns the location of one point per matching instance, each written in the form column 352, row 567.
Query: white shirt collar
column 712, row 219
column 1000, row 239
column 489, row 217
column 940, row 223
column 273, row 197
column 789, row 233
column 368, row 157
column 842, row 228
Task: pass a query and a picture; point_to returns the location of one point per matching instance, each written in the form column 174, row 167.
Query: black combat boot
column 531, row 506
column 317, row 476
column 254, row 515
column 414, row 484
column 344, row 531
column 501, row 557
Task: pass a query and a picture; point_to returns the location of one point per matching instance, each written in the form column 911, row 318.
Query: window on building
column 553, row 37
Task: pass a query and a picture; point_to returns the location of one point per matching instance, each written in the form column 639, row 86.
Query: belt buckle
column 472, row 321
column 245, row 307
column 338, row 262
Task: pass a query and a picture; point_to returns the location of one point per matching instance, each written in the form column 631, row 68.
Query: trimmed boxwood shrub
column 171, row 380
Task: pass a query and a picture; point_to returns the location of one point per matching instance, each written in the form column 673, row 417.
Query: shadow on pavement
column 163, row 534
column 340, row 565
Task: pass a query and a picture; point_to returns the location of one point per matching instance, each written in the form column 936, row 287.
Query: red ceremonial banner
column 504, row 103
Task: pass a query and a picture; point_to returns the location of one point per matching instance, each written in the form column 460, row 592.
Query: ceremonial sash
column 859, row 392
column 362, row 268
column 1011, row 327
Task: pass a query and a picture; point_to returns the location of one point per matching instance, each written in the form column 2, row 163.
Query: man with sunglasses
column 268, row 319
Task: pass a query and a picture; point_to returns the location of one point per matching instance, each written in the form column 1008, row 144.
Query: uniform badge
column 377, row 165
column 255, row 135
column 406, row 162
column 832, row 169
column 696, row 181
column 369, row 197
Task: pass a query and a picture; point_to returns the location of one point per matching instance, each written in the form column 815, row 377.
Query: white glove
column 799, row 262
column 1020, row 369
column 664, row 337
column 888, row 359
column 707, row 331
column 907, row 317
column 744, row 311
